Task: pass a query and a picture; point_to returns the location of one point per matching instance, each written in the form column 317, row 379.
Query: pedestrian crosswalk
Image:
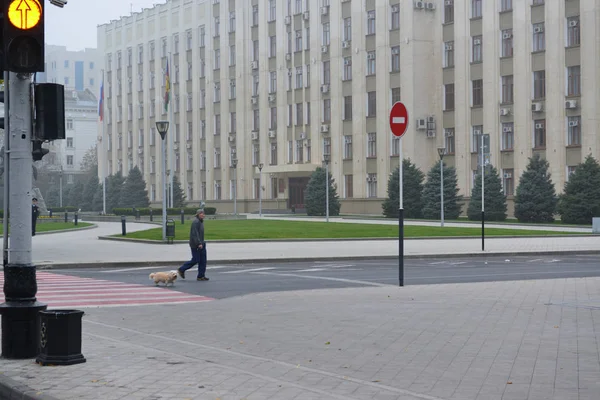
column 62, row 291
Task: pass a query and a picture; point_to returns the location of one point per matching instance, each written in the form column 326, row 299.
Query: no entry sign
column 399, row 119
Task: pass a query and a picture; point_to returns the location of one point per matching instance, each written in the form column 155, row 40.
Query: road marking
column 241, row 271
column 438, row 262
column 507, row 274
column 458, row 263
column 325, row 278
column 312, row 270
column 110, row 271
column 398, row 120
column 536, row 260
column 553, row 261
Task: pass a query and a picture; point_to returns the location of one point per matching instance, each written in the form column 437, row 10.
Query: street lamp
column 326, row 159
column 60, row 193
column 260, row 167
column 441, row 153
column 162, row 127
column 234, row 163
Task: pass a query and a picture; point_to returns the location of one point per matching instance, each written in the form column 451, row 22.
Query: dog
column 164, row 277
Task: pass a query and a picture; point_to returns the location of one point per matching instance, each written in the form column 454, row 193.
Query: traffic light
column 2, row 101
column 23, row 36
column 49, row 111
column 38, row 152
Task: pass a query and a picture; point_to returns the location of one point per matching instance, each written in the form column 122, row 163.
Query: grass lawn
column 266, row 229
column 55, row 226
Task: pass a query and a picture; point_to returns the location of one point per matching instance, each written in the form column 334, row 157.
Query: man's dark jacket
column 197, row 233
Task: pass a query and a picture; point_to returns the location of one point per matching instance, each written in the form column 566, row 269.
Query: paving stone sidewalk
column 529, row 340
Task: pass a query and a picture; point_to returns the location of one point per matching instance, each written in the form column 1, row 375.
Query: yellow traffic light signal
column 24, row 14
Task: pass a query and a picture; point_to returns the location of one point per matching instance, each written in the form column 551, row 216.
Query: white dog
column 164, row 277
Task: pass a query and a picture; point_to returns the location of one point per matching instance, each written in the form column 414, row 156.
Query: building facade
column 282, row 83
column 81, row 125
column 77, row 70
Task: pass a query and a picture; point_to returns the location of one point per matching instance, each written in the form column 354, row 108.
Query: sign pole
column 398, row 126
column 482, row 193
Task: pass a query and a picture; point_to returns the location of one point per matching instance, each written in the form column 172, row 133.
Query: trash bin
column 170, row 230
column 60, row 337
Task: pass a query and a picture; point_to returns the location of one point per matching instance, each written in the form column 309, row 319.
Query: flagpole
column 171, row 143
column 104, row 155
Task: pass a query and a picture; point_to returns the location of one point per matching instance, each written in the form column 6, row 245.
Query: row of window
column 476, row 9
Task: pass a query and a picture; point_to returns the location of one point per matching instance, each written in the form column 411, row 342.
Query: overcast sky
column 75, row 25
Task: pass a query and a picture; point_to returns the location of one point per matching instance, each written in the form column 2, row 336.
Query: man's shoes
column 181, row 273
column 202, row 278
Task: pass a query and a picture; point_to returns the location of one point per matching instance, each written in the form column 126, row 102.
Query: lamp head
column 162, row 127
column 234, row 162
column 441, row 151
column 326, row 158
column 260, row 166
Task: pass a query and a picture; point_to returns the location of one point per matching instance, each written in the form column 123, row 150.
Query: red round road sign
column 399, row 119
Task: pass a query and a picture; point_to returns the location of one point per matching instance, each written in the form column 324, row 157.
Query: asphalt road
column 238, row 280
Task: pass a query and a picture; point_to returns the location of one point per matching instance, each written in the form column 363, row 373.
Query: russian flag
column 101, row 101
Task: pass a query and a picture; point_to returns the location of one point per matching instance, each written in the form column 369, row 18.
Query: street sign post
column 398, row 126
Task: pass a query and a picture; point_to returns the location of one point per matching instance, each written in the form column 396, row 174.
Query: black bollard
column 123, row 228
column 66, row 217
column 50, row 213
column 137, row 215
column 151, row 218
column 182, row 217
column 76, row 217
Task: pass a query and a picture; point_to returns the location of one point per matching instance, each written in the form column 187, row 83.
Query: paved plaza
column 487, row 341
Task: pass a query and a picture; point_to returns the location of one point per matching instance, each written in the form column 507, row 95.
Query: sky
column 75, row 25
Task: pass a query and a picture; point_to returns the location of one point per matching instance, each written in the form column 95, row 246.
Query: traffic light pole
column 20, row 327
column 6, row 162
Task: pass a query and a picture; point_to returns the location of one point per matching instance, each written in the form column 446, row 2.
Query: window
column 202, row 35
column 327, row 146
column 507, row 43
column 188, row 40
column 475, row 8
column 299, row 82
column 574, row 131
column 371, row 26
column 395, row 22
column 217, row 61
column 507, row 89
column 396, row 59
column 477, row 50
column 217, row 160
column 217, row 92
column 273, row 154
column 570, row 170
column 326, row 110
column 326, row 34
column 539, row 38
column 256, row 120
column 508, row 136
column 371, row 145
column 449, row 97
column 348, row 187
column 274, row 188
column 255, row 48
column 448, row 12
column 272, row 10
column 254, row 15
column 232, row 55
column 347, row 71
column 508, row 183
column 299, row 114
column 371, row 185
column 371, row 66
column 70, row 142
column 539, row 134
column 299, row 151
column 255, row 153
column 308, row 150
column 272, row 46
column 506, row 5
column 272, row 81
column 70, row 124
column 477, row 98
column 217, row 26
column 217, row 124
column 573, row 32
column 218, row 190
column 70, row 161
column 539, row 85
column 232, row 122
column 347, row 147
column 449, row 54
column 574, row 81
column 347, row 115
column 395, row 95
column 449, row 142
column 371, row 104
column 232, row 22
column 232, row 89
column 395, row 146
column 326, row 72
column 298, row 40
column 538, row 2
column 347, row 33
column 476, row 132
column 273, row 118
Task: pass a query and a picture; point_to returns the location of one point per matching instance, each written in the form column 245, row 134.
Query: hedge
column 62, row 209
column 158, row 211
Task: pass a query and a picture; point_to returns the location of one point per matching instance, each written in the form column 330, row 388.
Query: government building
column 283, row 84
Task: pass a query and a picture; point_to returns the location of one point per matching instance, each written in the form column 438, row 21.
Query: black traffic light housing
column 2, row 119
column 49, row 111
column 38, row 152
column 23, row 38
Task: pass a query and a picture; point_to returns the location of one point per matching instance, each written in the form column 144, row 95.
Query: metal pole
column 20, row 324
column 60, row 194
column 442, row 191
column 164, row 191
column 235, row 191
column 172, row 137
column 327, row 190
column 6, row 168
column 260, row 192
column 401, row 220
column 104, row 155
column 482, row 194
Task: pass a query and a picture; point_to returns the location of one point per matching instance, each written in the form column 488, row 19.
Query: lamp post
column 326, row 159
column 441, row 153
column 260, row 167
column 60, row 193
column 234, row 163
column 162, row 127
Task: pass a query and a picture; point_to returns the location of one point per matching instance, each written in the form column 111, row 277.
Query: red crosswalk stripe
column 62, row 291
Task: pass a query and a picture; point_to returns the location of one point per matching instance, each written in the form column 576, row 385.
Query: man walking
column 35, row 213
column 198, row 247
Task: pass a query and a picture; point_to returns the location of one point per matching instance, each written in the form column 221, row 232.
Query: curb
column 85, row 228
column 12, row 389
column 143, row 264
column 292, row 240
